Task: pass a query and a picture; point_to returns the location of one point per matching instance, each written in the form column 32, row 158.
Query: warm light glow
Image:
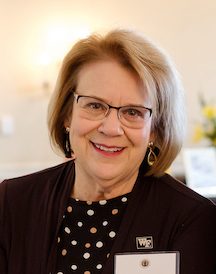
column 57, row 41
column 54, row 41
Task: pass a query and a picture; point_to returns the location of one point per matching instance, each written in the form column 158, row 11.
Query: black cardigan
column 175, row 217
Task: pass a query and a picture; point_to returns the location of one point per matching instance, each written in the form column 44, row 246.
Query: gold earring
column 67, row 148
column 151, row 157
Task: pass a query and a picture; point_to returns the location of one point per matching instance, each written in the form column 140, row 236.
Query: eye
column 133, row 113
column 95, row 106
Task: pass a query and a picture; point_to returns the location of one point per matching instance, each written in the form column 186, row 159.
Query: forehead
column 111, row 81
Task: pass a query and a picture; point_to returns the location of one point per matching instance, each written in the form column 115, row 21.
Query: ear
column 67, row 123
column 152, row 137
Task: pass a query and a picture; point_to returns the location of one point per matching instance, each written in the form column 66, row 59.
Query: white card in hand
column 147, row 263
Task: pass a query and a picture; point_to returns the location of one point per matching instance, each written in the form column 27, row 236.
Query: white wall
column 186, row 29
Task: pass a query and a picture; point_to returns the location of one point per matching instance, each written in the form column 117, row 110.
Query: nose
column 110, row 125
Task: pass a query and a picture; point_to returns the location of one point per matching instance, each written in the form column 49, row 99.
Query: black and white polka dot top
column 87, row 234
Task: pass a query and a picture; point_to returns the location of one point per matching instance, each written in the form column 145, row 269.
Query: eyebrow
column 104, row 101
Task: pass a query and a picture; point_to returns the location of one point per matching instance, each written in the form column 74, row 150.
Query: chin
column 107, row 172
column 106, row 175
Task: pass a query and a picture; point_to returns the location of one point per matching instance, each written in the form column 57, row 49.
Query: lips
column 108, row 149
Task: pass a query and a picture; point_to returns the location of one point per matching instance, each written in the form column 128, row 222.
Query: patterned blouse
column 87, row 234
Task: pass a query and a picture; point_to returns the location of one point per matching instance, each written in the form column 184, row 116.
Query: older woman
column 117, row 112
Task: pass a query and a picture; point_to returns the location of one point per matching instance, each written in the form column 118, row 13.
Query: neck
column 87, row 188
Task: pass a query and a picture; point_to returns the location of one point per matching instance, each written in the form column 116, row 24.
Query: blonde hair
column 154, row 69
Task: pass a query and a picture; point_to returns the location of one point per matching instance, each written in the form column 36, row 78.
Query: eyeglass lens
column 95, row 109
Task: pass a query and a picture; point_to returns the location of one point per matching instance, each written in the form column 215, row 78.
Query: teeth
column 113, row 149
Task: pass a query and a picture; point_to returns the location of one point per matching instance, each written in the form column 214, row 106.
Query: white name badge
column 147, row 263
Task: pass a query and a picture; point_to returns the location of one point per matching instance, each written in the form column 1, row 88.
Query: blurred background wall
column 35, row 35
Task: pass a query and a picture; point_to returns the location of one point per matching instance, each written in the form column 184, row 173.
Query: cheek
column 80, row 127
column 141, row 138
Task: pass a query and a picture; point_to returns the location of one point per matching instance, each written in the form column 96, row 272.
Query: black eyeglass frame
column 78, row 96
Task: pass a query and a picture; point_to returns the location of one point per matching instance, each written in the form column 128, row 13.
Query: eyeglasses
column 131, row 116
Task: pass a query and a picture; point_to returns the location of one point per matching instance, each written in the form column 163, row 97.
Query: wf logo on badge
column 144, row 242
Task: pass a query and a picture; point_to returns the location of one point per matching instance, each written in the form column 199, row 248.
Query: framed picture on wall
column 200, row 170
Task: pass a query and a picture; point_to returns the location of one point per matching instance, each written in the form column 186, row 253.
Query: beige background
column 186, row 29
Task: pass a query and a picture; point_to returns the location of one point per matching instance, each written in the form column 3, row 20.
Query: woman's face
column 106, row 149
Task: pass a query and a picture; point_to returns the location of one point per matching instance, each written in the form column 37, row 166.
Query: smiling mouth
column 111, row 149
